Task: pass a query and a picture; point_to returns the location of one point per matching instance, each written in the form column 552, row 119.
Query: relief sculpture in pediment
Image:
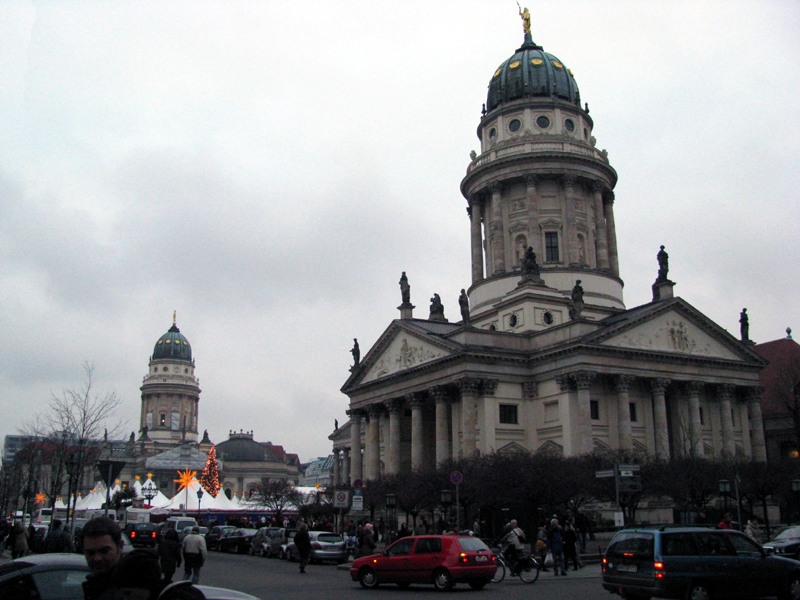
column 405, row 357
column 672, row 336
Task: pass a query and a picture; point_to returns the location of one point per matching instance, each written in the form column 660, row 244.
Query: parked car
column 187, row 530
column 61, row 575
column 785, row 543
column 441, row 560
column 324, row 546
column 142, row 534
column 259, row 544
column 215, row 533
column 697, row 563
column 178, row 524
column 278, row 541
column 289, row 534
column 237, row 540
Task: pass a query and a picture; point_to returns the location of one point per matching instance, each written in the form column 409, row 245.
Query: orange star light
column 40, row 498
column 185, row 478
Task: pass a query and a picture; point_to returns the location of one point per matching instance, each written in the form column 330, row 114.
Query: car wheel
column 792, row 589
column 250, row 551
column 442, row 580
column 367, row 578
column 698, row 591
column 478, row 585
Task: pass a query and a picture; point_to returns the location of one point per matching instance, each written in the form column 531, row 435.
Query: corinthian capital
column 583, row 379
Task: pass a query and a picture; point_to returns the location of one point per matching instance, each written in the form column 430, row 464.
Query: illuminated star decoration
column 40, row 498
column 185, row 478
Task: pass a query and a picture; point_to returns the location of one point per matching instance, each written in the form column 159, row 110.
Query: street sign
column 630, row 485
column 609, row 473
column 358, row 484
column 629, row 467
column 109, row 470
column 625, row 473
column 456, row 477
column 358, row 502
column 341, row 499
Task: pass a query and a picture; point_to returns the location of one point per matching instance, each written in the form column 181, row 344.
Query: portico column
column 395, row 408
column 455, row 427
column 573, row 254
column 601, row 236
column 724, row 393
column 613, row 257
column 336, row 467
column 372, row 449
column 356, row 463
column 487, row 416
column 346, row 468
column 583, row 380
column 695, row 422
column 756, row 424
column 469, row 391
column 534, row 233
column 441, row 399
column 476, row 239
column 622, row 384
column 661, row 433
column 497, row 235
column 417, row 401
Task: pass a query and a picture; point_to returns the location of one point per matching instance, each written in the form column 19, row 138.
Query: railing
column 536, row 147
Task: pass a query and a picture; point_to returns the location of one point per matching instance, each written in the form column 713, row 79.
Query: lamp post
column 795, row 493
column 199, row 499
column 391, row 508
column 447, row 501
column 725, row 490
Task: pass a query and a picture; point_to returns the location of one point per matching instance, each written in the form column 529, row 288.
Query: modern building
column 546, row 357
column 318, row 472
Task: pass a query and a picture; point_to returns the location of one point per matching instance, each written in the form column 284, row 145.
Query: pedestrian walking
column 541, row 543
column 194, row 555
column 59, row 539
column 556, row 544
column 169, row 555
column 570, row 541
column 582, row 529
column 367, row 541
column 19, row 544
column 138, row 575
column 302, row 542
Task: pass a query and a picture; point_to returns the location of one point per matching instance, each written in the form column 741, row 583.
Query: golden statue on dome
column 525, row 15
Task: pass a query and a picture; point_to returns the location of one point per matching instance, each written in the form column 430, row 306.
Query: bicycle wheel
column 529, row 570
column 500, row 574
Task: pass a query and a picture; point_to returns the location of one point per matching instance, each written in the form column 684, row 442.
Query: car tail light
column 153, row 535
column 316, row 546
column 605, row 564
column 659, row 570
column 133, row 534
column 464, row 557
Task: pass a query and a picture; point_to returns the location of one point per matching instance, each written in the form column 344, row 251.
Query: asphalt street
column 270, row 578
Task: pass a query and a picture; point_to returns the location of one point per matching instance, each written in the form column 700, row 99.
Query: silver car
column 324, row 546
column 61, row 575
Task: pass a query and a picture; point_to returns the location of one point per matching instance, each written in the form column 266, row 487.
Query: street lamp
column 447, row 500
column 795, row 491
column 725, row 490
column 149, row 491
column 199, row 499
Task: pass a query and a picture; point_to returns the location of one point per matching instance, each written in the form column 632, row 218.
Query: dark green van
column 695, row 563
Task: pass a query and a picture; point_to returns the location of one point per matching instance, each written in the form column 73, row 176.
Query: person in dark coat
column 102, row 548
column 570, row 538
column 302, row 542
column 18, row 540
column 58, row 540
column 138, row 576
column 169, row 554
column 367, row 541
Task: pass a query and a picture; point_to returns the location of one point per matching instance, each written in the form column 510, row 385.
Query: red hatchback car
column 442, row 560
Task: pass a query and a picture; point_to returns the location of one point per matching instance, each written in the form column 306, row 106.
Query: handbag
column 548, row 560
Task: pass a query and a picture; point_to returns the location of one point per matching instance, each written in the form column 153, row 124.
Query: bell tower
column 540, row 187
column 170, row 392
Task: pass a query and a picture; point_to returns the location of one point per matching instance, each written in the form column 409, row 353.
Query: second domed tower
column 170, row 391
column 539, row 182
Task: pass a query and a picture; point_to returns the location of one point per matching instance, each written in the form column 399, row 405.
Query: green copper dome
column 531, row 73
column 173, row 345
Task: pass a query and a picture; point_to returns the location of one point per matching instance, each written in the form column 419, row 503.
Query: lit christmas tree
column 209, row 477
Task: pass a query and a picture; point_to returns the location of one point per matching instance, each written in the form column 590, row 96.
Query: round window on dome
column 514, row 125
column 514, row 65
column 547, row 318
column 569, row 125
column 542, row 122
column 537, row 62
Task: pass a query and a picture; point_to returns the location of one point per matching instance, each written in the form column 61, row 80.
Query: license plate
column 628, row 568
column 481, row 558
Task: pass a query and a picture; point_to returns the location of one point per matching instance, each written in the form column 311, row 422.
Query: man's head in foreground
column 102, row 544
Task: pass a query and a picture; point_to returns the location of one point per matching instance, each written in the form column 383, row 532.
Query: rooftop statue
column 663, row 265
column 576, row 307
column 525, row 15
column 744, row 321
column 405, row 289
column 530, row 268
column 437, row 309
column 356, row 352
column 463, row 302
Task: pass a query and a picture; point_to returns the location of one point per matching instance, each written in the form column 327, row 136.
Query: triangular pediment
column 676, row 331
column 403, row 351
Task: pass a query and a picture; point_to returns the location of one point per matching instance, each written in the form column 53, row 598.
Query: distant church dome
column 530, row 73
column 173, row 345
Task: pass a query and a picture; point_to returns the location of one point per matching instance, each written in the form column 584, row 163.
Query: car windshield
column 788, row 534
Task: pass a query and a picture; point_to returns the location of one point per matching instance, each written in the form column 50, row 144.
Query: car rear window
column 632, row 544
column 472, row 544
column 330, row 538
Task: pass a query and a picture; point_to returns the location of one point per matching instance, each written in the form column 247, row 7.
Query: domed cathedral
column 546, row 357
column 170, row 392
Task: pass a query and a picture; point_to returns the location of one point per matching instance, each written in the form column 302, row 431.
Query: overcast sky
column 268, row 169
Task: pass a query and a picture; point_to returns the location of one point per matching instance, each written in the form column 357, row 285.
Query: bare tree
column 277, row 496
column 75, row 428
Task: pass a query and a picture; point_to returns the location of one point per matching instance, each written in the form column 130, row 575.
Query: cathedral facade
column 546, row 356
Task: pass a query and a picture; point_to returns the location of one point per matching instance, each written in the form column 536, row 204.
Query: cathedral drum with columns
column 546, row 357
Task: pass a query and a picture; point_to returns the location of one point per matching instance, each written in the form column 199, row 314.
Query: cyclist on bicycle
column 514, row 539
